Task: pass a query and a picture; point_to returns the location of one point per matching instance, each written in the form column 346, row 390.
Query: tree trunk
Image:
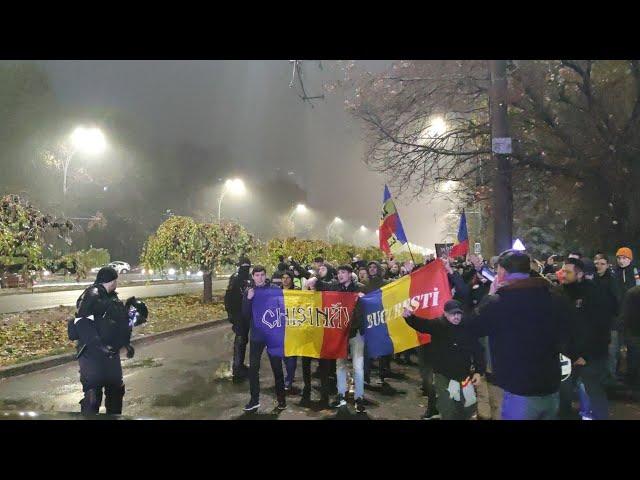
column 207, row 296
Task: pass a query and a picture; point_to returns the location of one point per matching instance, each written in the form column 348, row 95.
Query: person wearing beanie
column 626, row 274
column 101, row 327
column 605, row 281
column 527, row 325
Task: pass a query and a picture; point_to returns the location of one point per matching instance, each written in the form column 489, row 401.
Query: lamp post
column 361, row 230
column 300, row 208
column 235, row 187
column 335, row 221
column 86, row 140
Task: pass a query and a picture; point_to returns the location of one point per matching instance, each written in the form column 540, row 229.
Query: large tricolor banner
column 424, row 292
column 303, row 323
column 316, row 324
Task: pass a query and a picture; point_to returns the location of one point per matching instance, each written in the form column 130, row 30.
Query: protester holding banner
column 356, row 340
column 458, row 360
column 376, row 280
column 257, row 345
column 289, row 362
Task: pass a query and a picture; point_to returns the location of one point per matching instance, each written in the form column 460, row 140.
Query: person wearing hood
column 324, row 274
column 394, row 271
column 238, row 283
column 526, row 323
column 604, row 280
column 282, row 266
column 300, row 274
column 376, row 280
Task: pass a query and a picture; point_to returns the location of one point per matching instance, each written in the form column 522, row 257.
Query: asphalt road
column 37, row 301
column 188, row 377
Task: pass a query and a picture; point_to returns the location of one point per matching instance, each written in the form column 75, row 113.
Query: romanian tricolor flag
column 461, row 248
column 391, row 233
column 303, row 323
column 424, row 291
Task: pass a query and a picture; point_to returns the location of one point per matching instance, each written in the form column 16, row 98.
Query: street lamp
column 235, row 186
column 300, row 209
column 361, row 230
column 335, row 221
column 438, row 126
column 85, row 140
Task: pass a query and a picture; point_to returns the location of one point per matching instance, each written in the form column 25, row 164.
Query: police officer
column 102, row 328
column 238, row 283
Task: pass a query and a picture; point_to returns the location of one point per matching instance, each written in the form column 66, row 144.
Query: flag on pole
column 461, row 248
column 391, row 233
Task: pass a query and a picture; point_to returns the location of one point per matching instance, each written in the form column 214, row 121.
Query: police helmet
column 137, row 310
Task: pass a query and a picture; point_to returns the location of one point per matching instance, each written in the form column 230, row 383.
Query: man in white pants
column 345, row 283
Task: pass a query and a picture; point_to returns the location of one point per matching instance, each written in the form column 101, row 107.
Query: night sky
column 248, row 107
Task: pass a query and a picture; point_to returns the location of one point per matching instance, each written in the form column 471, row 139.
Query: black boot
column 90, row 404
column 113, row 399
column 305, row 401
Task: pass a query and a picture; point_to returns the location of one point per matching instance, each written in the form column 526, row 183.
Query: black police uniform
column 101, row 327
column 238, row 284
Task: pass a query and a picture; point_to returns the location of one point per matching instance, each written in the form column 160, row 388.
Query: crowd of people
column 545, row 335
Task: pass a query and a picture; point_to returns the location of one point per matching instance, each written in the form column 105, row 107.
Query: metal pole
column 501, row 148
column 224, row 190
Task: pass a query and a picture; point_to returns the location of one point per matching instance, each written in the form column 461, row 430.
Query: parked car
column 96, row 269
column 120, row 267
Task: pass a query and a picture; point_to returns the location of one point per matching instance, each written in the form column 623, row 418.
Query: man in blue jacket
column 257, row 346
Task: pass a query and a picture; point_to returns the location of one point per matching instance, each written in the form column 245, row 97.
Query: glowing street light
column 234, row 186
column 438, row 126
column 335, row 221
column 86, row 140
column 299, row 209
column 363, row 228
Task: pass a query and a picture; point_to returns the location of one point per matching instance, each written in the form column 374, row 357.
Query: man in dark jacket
column 458, row 360
column 588, row 347
column 527, row 328
column 344, row 283
column 631, row 323
column 460, row 291
column 101, row 327
column 257, row 346
column 286, row 283
column 238, row 283
column 605, row 281
column 376, row 280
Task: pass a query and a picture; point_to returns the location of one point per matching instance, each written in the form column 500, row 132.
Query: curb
column 56, row 360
